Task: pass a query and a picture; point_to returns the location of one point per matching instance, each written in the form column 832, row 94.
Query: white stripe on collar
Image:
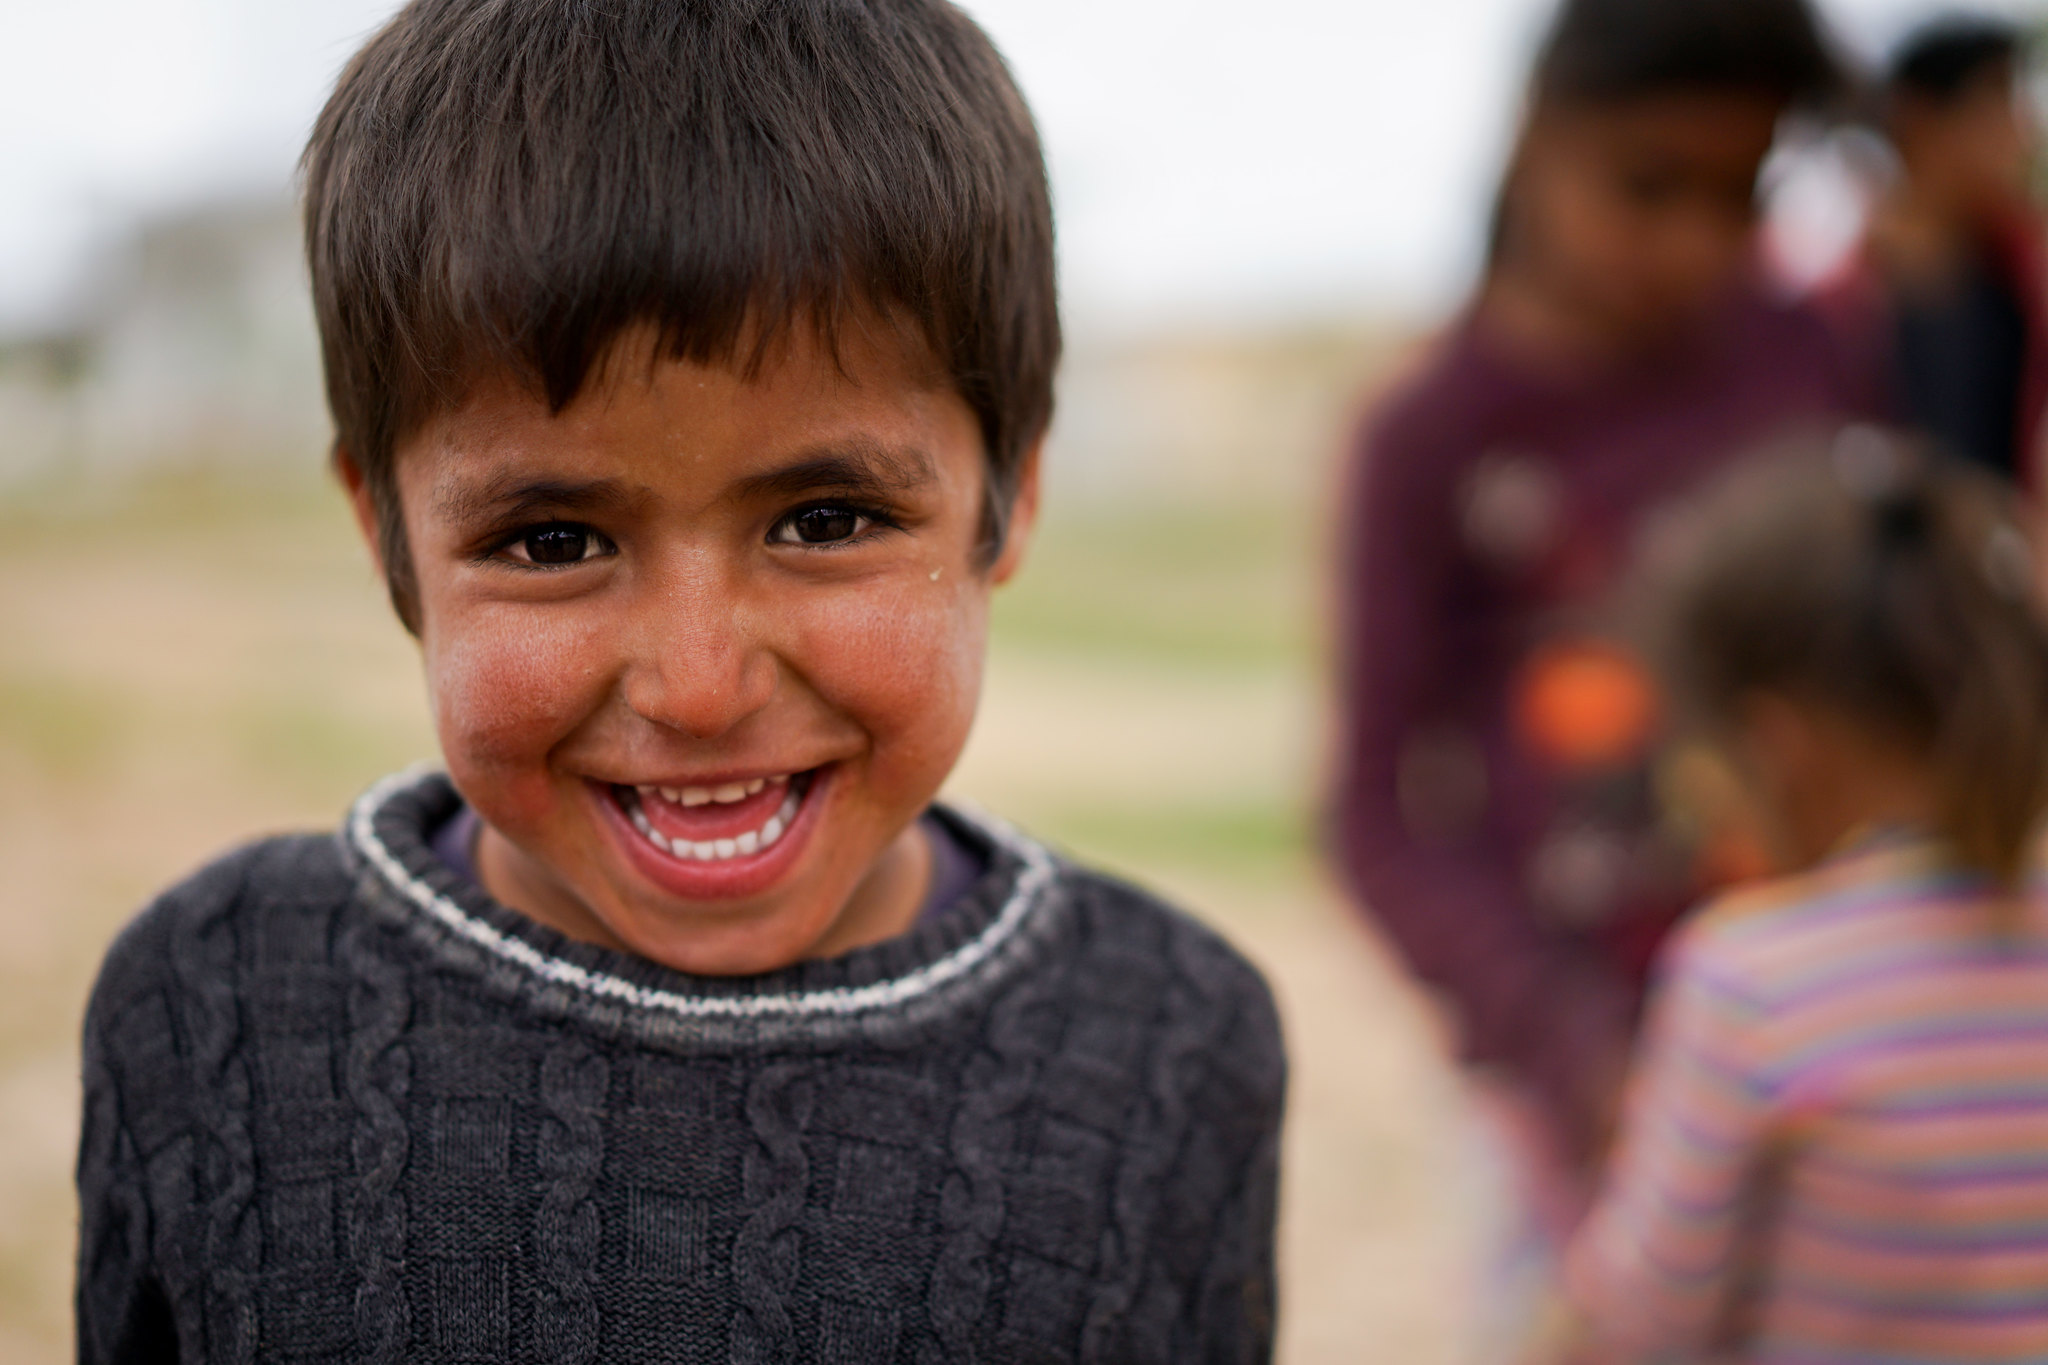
column 1032, row 880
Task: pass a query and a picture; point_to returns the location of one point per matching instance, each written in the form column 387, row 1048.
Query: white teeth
column 715, row 850
column 780, row 821
column 647, row 831
column 724, row 794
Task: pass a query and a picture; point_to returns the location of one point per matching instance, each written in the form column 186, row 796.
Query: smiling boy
column 689, row 365
column 702, row 646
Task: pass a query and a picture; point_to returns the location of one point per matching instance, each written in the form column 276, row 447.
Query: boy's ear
column 360, row 501
column 1023, row 517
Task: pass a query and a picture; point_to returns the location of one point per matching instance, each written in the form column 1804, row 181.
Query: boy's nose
column 698, row 666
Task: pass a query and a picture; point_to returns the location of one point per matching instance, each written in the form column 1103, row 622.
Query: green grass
column 63, row 729
column 168, row 504
column 310, row 746
column 1192, row 587
column 1249, row 840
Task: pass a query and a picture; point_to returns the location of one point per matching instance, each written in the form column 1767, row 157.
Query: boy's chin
column 736, row 912
column 717, row 943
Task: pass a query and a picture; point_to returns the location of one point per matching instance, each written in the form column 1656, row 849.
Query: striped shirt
column 1836, row 1145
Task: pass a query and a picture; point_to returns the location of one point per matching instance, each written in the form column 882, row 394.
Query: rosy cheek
column 907, row 666
column 508, row 687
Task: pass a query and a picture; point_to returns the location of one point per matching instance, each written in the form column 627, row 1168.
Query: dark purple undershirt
column 956, row 866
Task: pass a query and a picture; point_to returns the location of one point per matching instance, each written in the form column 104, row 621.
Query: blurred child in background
column 1957, row 245
column 1493, row 806
column 1836, row 1146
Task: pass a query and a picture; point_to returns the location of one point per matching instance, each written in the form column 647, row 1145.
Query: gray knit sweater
column 340, row 1106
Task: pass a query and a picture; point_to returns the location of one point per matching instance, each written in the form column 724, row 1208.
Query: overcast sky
column 1211, row 161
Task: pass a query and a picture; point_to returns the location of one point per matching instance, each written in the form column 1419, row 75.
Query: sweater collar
column 959, row 953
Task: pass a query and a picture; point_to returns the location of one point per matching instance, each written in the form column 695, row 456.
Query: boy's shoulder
column 273, row 899
column 1432, row 394
column 1126, row 915
column 1138, row 952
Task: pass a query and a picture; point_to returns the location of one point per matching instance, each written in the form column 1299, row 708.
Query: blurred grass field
column 189, row 662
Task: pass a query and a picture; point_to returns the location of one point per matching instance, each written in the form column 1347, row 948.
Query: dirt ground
column 184, row 668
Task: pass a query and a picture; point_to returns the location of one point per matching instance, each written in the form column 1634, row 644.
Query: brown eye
column 1650, row 187
column 822, row 525
column 559, row 543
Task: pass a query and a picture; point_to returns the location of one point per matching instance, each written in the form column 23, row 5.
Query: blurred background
column 1261, row 221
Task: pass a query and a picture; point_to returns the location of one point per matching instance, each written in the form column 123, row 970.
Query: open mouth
column 716, row 824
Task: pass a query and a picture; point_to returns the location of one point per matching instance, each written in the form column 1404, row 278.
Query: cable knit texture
column 340, row 1106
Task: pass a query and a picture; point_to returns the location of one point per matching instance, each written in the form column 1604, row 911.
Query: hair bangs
column 515, row 187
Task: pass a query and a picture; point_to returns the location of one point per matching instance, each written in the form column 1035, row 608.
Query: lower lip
column 727, row 879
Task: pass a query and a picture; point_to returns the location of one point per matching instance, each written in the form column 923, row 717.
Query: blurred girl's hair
column 1867, row 578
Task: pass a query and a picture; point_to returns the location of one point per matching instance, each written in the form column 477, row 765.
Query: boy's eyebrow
column 859, row 469
column 513, row 495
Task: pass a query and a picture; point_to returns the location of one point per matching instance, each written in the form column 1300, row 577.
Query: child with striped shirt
column 1836, row 1142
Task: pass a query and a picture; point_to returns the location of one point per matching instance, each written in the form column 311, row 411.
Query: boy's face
column 1976, row 151
column 1644, row 212
column 702, row 646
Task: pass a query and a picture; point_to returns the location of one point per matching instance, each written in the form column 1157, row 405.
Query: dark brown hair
column 1946, row 57
column 1602, row 51
column 1888, row 586
column 509, row 185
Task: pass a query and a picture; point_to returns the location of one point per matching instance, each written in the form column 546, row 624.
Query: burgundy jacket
column 1493, row 805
